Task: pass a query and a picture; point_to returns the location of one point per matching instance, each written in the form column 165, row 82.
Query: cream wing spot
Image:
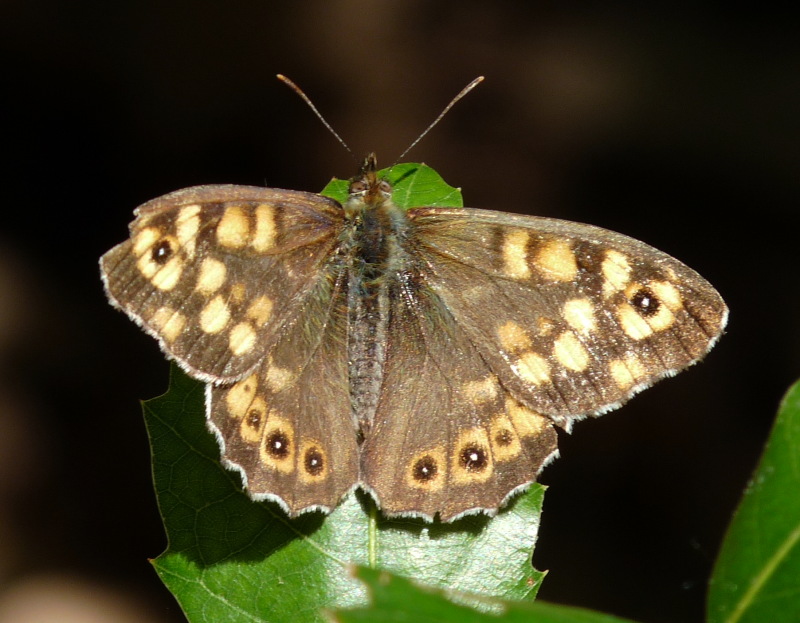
column 260, row 310
column 240, row 396
column 635, row 327
column 169, row 322
column 238, row 292
column 533, row 368
column 513, row 337
column 527, row 423
column 278, row 378
column 556, row 261
column 242, row 338
column 215, row 315
column 144, row 239
column 626, row 372
column 667, row 294
column 211, row 276
column 579, row 314
column 169, row 275
column 187, row 226
column 545, row 326
column 570, row 353
column 483, row 391
column 233, row 229
column 264, row 236
column 515, row 254
column 617, row 272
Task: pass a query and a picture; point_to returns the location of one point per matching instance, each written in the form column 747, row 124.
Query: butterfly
column 425, row 355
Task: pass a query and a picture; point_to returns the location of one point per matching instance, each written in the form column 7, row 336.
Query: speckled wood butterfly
column 425, row 355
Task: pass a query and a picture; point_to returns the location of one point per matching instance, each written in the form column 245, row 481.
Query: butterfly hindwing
column 572, row 318
column 459, row 442
column 286, row 427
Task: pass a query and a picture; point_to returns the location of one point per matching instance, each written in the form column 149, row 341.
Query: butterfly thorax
column 373, row 241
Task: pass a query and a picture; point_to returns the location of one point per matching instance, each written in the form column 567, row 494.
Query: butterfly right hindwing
column 459, row 443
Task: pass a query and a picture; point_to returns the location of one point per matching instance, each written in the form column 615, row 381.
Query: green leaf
column 231, row 559
column 757, row 574
column 397, row 600
column 413, row 185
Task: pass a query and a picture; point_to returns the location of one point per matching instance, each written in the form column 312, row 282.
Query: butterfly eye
column 385, row 187
column 645, row 302
column 357, row 187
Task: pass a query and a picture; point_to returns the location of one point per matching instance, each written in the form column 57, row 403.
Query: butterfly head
column 367, row 188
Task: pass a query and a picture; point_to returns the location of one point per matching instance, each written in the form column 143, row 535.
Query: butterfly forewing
column 214, row 272
column 572, row 318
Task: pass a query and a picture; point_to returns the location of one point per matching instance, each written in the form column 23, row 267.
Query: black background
column 677, row 126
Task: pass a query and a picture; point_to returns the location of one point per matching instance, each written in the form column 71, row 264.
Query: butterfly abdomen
column 377, row 260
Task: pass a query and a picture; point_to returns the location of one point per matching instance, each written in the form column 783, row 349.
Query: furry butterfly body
column 426, row 355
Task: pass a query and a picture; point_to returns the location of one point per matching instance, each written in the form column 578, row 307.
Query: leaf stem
column 372, row 545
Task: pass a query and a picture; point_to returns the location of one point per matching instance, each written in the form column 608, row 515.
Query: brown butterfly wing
column 214, row 272
column 573, row 319
column 447, row 436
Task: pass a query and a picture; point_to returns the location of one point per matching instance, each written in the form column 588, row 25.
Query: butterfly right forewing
column 574, row 319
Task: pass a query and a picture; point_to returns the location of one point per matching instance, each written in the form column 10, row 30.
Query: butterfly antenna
column 447, row 108
column 310, row 104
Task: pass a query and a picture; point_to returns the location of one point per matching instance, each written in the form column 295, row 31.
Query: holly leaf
column 413, row 185
column 232, row 559
column 757, row 574
column 394, row 599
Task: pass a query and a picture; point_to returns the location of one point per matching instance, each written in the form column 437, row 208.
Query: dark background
column 674, row 125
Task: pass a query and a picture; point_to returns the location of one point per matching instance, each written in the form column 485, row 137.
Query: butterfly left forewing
column 447, row 437
column 213, row 272
column 572, row 318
